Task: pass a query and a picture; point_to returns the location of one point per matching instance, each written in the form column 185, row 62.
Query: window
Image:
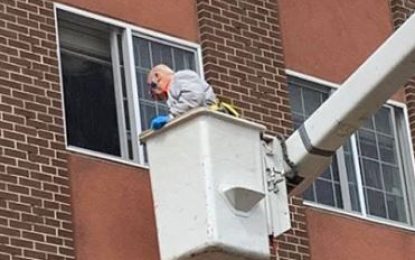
column 104, row 73
column 369, row 175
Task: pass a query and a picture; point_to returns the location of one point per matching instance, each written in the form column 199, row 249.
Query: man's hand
column 159, row 121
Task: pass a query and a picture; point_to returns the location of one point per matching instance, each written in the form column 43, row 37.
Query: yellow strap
column 225, row 108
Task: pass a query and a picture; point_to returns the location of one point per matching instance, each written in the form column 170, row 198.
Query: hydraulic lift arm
column 311, row 147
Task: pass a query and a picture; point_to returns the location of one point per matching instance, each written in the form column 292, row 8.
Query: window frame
column 405, row 144
column 127, row 34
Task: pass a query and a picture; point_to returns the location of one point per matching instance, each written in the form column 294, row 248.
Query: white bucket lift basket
column 210, row 196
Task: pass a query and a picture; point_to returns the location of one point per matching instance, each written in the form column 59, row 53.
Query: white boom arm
column 381, row 75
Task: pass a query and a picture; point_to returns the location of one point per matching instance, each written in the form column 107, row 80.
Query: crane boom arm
column 361, row 95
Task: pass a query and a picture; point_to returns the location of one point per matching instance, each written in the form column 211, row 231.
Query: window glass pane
column 339, row 200
column 326, row 174
column 348, row 159
column 143, row 91
column 161, row 53
column 309, row 193
column 142, row 53
column 312, row 100
column 354, row 197
column 351, row 173
column 179, row 57
column 367, row 144
column 371, row 173
column 351, row 177
column 335, row 169
column 296, row 100
column 368, row 124
column 396, row 208
column 189, row 61
column 375, row 203
column 392, row 179
column 325, row 193
column 148, row 112
column 298, row 119
column 382, row 121
column 387, row 149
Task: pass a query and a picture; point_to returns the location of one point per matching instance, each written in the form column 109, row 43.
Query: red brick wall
column 243, row 58
column 176, row 18
column 112, row 211
column 400, row 11
column 342, row 237
column 329, row 39
column 35, row 206
column 243, row 61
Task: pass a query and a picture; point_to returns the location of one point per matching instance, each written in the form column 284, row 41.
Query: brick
column 41, row 194
column 30, row 56
column 7, row 160
column 21, row 243
column 55, row 257
column 19, row 44
column 22, row 95
column 18, row 189
column 10, row 250
column 15, row 153
column 43, row 212
column 9, row 231
column 54, row 240
column 5, row 142
column 66, row 251
column 27, row 7
column 45, row 230
column 41, row 176
column 33, row 236
column 34, row 254
column 7, row 195
column 33, row 219
column 9, row 67
column 21, row 78
column 17, row 171
column 52, row 205
column 9, row 34
column 31, row 201
column 20, row 207
column 29, row 183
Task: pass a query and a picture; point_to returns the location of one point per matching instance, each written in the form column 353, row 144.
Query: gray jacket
column 188, row 91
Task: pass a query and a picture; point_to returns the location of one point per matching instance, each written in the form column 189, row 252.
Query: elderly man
column 182, row 90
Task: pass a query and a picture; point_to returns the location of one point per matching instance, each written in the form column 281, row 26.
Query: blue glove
column 158, row 122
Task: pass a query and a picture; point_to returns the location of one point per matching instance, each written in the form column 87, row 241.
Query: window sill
column 356, row 215
column 107, row 157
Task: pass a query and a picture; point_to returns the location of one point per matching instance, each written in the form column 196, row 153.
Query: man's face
column 157, row 85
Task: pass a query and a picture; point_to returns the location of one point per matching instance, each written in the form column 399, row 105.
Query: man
column 182, row 91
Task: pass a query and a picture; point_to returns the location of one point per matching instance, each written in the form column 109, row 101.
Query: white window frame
column 407, row 161
column 129, row 30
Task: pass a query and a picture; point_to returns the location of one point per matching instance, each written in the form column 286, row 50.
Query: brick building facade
column 65, row 195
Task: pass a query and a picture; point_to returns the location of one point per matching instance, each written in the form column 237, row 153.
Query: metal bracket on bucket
column 276, row 198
